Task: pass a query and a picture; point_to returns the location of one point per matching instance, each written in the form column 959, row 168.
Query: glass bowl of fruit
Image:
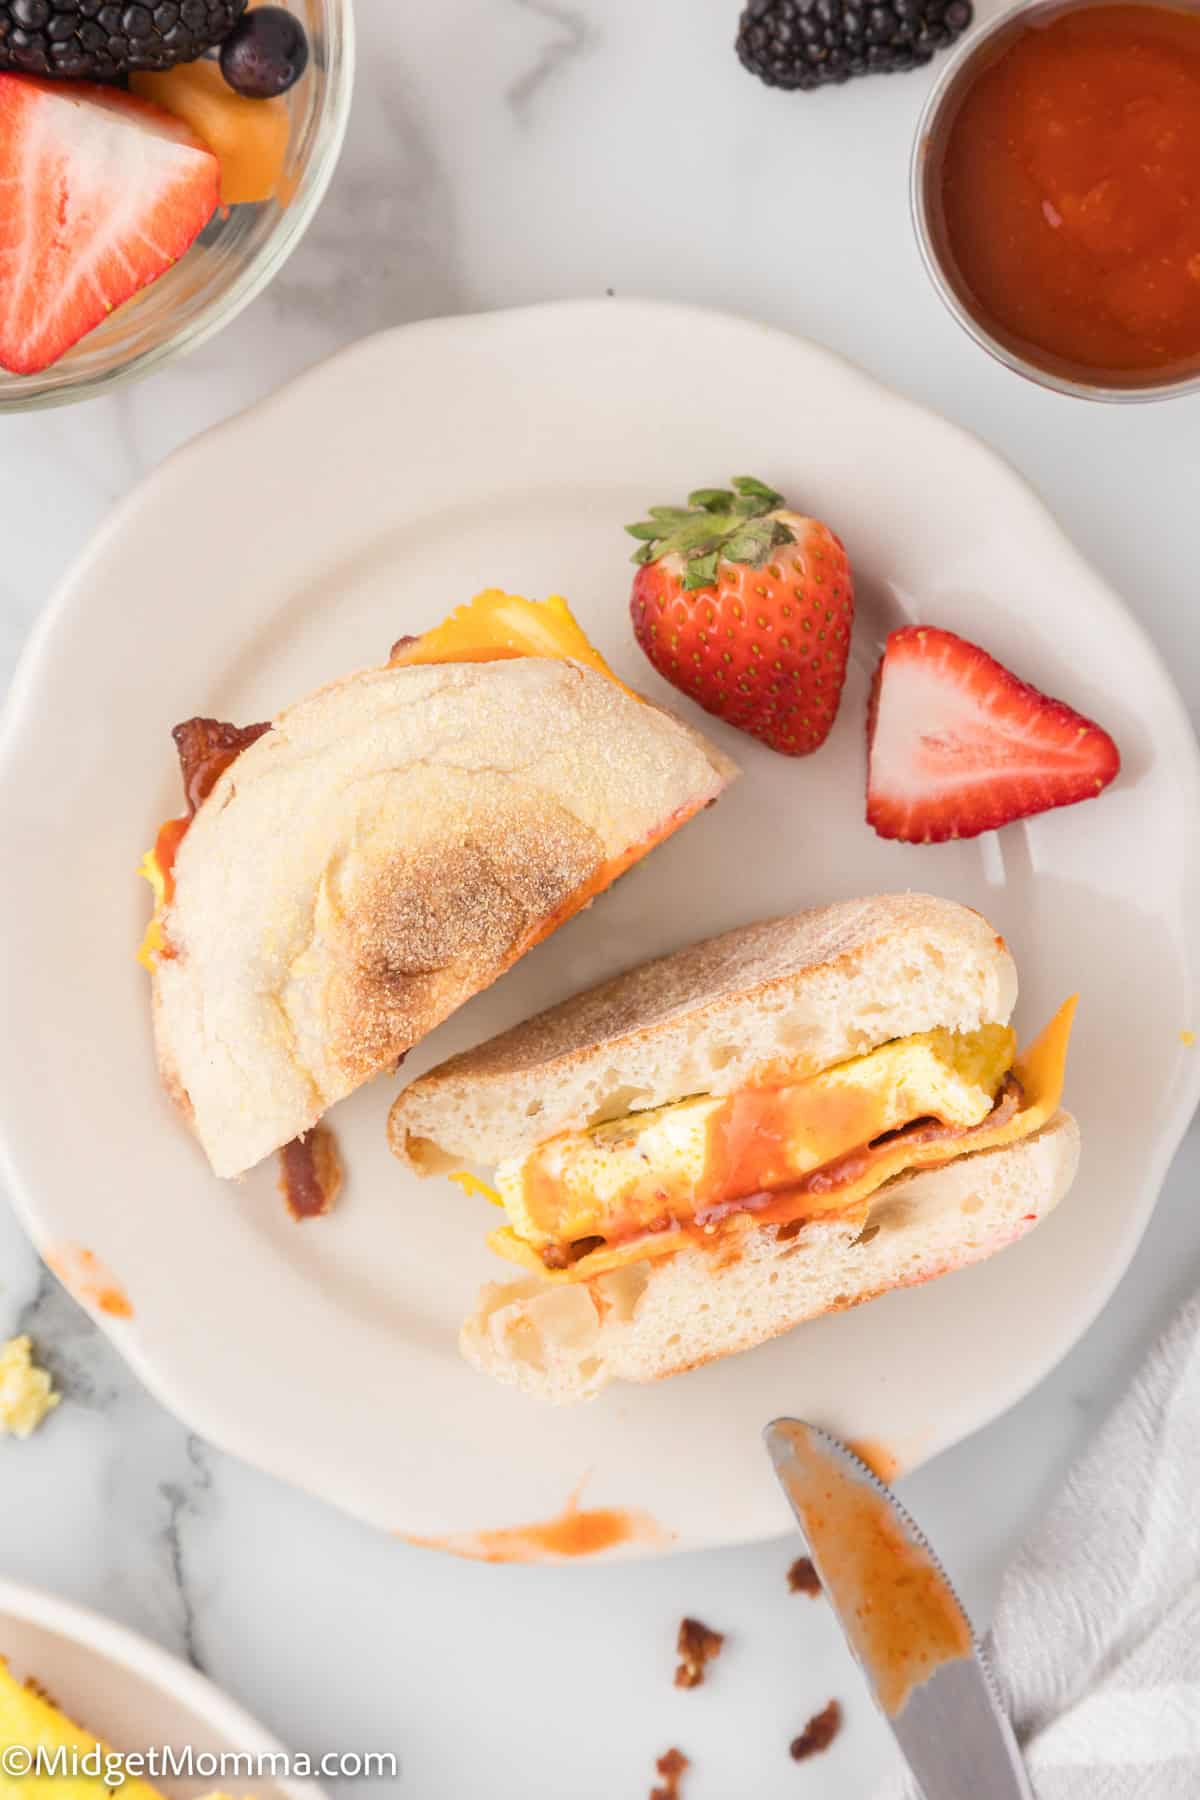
column 159, row 161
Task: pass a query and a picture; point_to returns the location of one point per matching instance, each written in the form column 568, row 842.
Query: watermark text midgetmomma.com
column 167, row 1762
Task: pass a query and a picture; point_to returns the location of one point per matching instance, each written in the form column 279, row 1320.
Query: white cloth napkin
column 1096, row 1642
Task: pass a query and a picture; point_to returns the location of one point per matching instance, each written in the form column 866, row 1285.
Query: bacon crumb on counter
column 310, row 1173
column 671, row 1767
column 802, row 1577
column 696, row 1646
column 818, row 1734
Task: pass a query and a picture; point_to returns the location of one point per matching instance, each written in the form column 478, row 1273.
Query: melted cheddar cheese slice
column 648, row 1184
column 495, row 625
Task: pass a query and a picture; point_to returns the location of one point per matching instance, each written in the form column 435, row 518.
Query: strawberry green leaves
column 732, row 524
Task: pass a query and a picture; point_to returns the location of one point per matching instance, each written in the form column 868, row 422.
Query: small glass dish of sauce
column 1056, row 194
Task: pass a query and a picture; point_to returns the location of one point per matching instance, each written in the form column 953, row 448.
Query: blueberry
column 265, row 54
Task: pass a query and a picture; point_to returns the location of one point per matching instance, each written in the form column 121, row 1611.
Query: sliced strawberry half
column 958, row 745
column 100, row 192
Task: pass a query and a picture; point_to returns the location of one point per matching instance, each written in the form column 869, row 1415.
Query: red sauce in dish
column 1070, row 191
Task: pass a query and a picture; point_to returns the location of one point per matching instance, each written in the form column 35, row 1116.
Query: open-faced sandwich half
column 347, row 875
column 777, row 1123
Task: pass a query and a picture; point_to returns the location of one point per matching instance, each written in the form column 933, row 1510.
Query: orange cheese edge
column 495, row 625
column 492, row 627
column 471, row 1185
column 1041, row 1070
column 151, row 870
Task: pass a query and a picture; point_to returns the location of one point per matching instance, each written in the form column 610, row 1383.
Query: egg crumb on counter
column 1187, row 1039
column 26, row 1392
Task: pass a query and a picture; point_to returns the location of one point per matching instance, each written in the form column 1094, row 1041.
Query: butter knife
column 902, row 1620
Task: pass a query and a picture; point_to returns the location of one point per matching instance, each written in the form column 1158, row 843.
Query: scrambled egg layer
column 620, row 1178
column 151, row 870
column 634, row 1187
column 26, row 1392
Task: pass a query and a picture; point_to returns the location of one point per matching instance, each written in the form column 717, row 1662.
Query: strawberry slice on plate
column 100, row 192
column 957, row 744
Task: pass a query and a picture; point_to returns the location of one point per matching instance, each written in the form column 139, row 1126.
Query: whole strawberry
column 747, row 608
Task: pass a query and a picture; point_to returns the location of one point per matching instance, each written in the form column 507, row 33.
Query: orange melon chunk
column 248, row 137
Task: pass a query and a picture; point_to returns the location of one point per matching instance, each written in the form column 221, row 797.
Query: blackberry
column 812, row 43
column 103, row 39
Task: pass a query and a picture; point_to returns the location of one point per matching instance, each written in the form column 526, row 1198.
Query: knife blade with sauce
column 902, row 1620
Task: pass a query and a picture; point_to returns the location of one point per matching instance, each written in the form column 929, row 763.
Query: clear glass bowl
column 236, row 254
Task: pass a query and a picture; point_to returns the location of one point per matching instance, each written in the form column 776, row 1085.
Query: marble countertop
column 503, row 151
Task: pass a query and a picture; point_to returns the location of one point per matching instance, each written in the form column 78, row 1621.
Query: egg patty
column 651, row 1169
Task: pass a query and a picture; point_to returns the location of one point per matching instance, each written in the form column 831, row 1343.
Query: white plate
column 363, row 502
column 131, row 1694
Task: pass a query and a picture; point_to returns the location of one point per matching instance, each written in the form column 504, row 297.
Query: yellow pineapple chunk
column 29, row 1723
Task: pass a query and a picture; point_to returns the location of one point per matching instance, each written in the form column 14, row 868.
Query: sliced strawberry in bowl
column 100, row 193
column 958, row 744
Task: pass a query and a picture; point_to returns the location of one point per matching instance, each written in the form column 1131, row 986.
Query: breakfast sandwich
column 777, row 1123
column 347, row 875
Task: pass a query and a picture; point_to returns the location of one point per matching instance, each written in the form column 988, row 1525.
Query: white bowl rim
column 128, row 1651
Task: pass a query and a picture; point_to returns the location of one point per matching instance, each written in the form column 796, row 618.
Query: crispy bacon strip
column 310, row 1173
column 206, row 748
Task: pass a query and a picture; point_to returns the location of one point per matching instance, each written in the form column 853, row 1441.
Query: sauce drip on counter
column 1069, row 190
column 898, row 1612
column 576, row 1531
